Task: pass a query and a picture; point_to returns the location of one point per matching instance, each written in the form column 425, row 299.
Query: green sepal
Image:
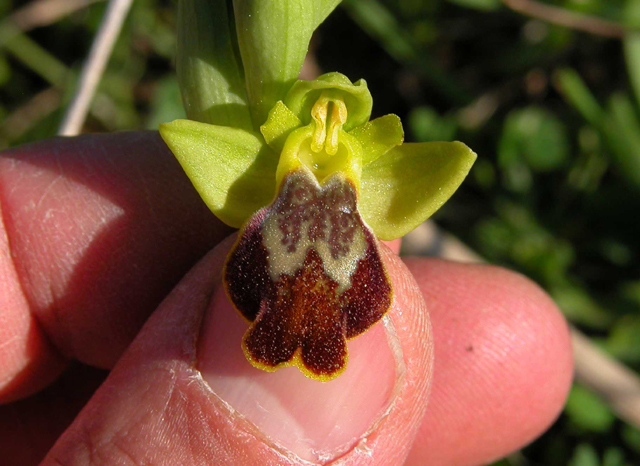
column 209, row 69
column 304, row 94
column 280, row 122
column 273, row 37
column 379, row 136
column 409, row 183
column 232, row 169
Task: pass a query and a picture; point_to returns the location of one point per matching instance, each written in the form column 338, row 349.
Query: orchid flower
column 298, row 166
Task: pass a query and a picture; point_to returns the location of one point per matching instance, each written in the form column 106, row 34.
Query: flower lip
column 307, row 273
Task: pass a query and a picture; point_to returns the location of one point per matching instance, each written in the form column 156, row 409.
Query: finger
column 100, row 229
column 27, row 359
column 166, row 402
column 394, row 245
column 503, row 363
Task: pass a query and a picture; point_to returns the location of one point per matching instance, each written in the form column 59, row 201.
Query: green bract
column 323, row 124
column 235, row 63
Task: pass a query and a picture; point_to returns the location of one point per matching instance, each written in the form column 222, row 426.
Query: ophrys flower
column 310, row 181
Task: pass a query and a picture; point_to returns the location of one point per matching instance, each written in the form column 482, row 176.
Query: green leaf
column 623, row 341
column 427, row 125
column 483, row 5
column 587, row 411
column 535, row 136
column 532, row 139
column 274, row 37
column 409, row 183
column 279, row 124
column 579, row 307
column 613, row 456
column 585, row 455
column 166, row 104
column 232, row 169
column 631, row 437
column 622, row 129
column 5, row 70
column 304, row 94
column 379, row 136
column 578, row 94
column 376, row 19
column 619, row 125
column 631, row 44
column 209, row 72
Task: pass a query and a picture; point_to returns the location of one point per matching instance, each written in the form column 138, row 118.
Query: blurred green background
column 553, row 112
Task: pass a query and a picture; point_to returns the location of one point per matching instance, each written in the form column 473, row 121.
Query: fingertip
column 503, row 363
column 394, row 245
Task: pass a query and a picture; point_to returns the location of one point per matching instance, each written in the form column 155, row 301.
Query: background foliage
column 553, row 113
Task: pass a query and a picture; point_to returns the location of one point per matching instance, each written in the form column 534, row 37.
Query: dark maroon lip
column 307, row 274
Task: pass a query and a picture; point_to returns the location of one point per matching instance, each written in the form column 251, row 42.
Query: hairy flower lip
column 306, row 272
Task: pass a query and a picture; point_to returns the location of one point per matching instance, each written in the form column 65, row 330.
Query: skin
column 97, row 230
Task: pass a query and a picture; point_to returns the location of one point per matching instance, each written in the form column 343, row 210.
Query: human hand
column 98, row 231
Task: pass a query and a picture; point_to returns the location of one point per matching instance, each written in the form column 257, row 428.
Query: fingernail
column 317, row 421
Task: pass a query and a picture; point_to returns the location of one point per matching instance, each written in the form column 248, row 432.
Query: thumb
column 184, row 394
